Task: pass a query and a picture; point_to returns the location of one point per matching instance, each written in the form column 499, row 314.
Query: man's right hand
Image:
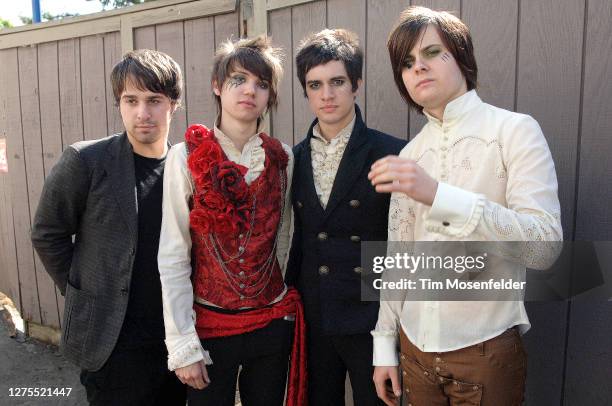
column 194, row 375
column 389, row 395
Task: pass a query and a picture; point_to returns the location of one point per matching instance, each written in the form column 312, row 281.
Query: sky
column 12, row 9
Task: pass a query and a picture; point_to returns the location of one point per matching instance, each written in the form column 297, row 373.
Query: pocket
column 79, row 310
column 465, row 393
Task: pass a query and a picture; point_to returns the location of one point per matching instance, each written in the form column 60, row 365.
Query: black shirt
column 144, row 323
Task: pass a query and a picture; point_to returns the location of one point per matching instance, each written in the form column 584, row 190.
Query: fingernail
column 398, row 393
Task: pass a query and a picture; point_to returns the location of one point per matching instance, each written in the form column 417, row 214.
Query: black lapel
column 351, row 165
column 305, row 166
column 120, row 169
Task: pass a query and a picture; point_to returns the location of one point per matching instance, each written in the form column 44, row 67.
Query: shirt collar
column 342, row 136
column 226, row 141
column 457, row 108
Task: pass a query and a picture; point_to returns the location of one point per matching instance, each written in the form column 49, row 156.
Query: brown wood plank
column 69, row 56
column 93, row 85
column 226, row 27
column 51, row 133
column 493, row 25
column 386, row 111
column 282, row 118
column 306, row 19
column 417, row 121
column 351, row 15
column 169, row 38
column 589, row 354
column 28, row 166
column 10, row 122
column 144, row 38
column 199, row 53
column 112, row 55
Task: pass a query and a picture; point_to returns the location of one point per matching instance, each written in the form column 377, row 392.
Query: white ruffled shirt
column 497, row 182
column 174, row 257
column 326, row 156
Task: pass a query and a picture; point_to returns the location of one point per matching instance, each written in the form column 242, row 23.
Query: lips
column 246, row 103
column 329, row 108
column 424, row 82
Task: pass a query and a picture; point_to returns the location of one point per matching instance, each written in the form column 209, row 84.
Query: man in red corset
column 224, row 243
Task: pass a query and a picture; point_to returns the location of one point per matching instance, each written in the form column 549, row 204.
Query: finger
column 394, row 375
column 204, row 373
column 381, row 392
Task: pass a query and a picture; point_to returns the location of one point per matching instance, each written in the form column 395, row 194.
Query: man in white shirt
column 474, row 173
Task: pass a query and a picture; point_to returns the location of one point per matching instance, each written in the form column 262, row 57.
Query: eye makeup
column 446, row 57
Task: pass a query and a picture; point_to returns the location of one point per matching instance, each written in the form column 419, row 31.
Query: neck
column 237, row 131
column 331, row 131
column 156, row 150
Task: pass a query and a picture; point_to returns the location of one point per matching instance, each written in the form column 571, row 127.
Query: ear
column 216, row 89
column 359, row 84
column 174, row 106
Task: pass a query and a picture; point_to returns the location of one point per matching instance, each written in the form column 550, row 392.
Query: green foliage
column 5, row 23
column 46, row 16
column 120, row 3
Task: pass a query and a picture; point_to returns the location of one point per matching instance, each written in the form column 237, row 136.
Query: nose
column 327, row 92
column 249, row 88
column 143, row 112
column 420, row 65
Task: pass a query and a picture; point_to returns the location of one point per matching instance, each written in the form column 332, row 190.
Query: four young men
column 474, row 172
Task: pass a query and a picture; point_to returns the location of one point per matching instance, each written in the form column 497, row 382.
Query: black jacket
column 325, row 257
column 90, row 194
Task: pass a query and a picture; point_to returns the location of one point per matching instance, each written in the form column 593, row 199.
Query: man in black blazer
column 96, row 230
column 336, row 208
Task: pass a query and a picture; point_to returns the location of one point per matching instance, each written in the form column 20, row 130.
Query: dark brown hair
column 330, row 45
column 454, row 34
column 253, row 54
column 148, row 69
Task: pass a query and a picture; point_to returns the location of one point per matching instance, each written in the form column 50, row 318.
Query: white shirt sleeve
column 284, row 239
column 532, row 214
column 174, row 260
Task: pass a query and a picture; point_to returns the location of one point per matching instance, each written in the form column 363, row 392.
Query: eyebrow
column 334, row 78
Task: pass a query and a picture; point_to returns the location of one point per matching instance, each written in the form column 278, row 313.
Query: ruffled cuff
column 455, row 212
column 385, row 348
column 188, row 354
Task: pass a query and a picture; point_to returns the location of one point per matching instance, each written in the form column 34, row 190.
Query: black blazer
column 325, row 257
column 91, row 194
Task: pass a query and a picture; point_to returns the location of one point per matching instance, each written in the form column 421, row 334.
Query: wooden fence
column 548, row 58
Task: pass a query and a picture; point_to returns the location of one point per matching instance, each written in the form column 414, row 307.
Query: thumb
column 204, row 372
column 394, row 375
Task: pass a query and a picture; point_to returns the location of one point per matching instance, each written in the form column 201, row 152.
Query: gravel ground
column 31, row 364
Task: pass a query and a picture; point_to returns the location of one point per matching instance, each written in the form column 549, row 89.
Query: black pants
column 329, row 359
column 134, row 377
column 263, row 355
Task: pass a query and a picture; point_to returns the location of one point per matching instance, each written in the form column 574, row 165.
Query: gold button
column 358, row 269
column 323, row 270
column 354, row 203
column 402, row 356
column 438, row 359
column 322, row 236
column 299, row 204
column 437, row 369
column 426, row 373
column 475, row 387
column 441, row 379
column 355, row 238
column 404, row 373
column 407, row 391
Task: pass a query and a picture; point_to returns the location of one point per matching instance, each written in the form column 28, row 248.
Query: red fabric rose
column 201, row 221
column 228, row 179
column 207, row 154
column 276, row 151
column 225, row 224
column 197, row 133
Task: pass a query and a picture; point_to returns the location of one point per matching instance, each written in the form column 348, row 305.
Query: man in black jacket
column 96, row 230
column 336, row 208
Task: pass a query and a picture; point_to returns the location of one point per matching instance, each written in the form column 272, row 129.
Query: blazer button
column 124, row 290
column 354, row 203
column 323, row 270
column 322, row 236
column 358, row 269
column 299, row 204
column 355, row 238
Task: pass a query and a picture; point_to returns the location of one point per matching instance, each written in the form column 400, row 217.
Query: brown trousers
column 491, row 373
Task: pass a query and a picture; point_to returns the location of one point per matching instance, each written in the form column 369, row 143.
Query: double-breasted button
column 355, row 238
column 354, row 203
column 299, row 204
column 322, row 236
column 358, row 269
column 323, row 270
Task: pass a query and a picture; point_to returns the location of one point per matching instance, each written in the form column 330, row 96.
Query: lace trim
column 182, row 357
column 384, row 333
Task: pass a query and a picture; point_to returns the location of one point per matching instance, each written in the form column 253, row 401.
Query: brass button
column 438, row 359
column 358, row 269
column 323, row 270
column 437, row 369
column 475, row 387
column 404, row 373
column 426, row 373
column 355, row 238
column 354, row 203
column 403, row 357
column 441, row 379
column 299, row 204
column 322, row 236
column 407, row 391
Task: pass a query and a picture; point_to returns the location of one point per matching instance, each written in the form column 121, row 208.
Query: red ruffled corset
column 235, row 226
